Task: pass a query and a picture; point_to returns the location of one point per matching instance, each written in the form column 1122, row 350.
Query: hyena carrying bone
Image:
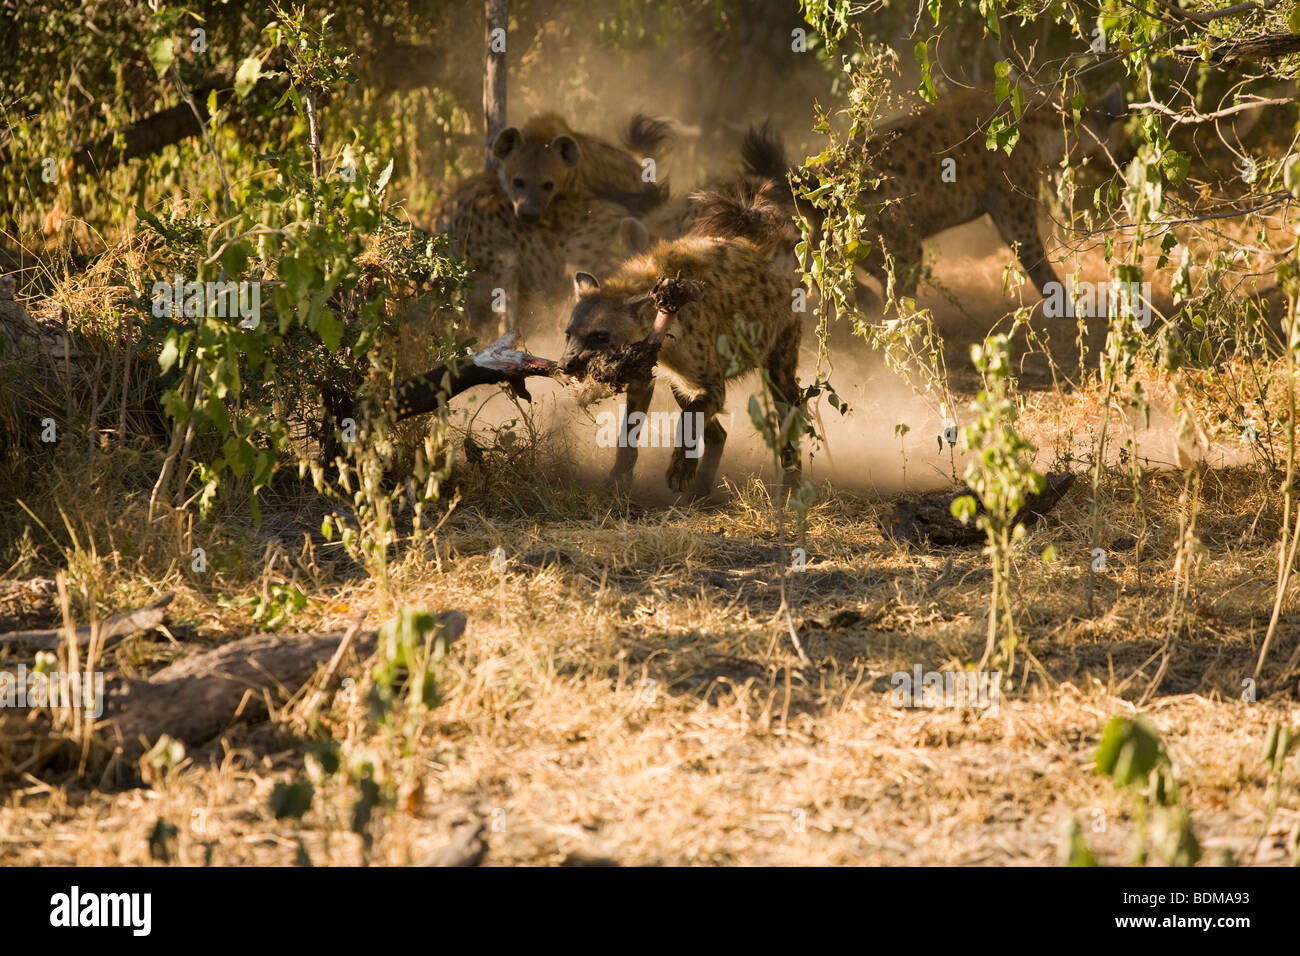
column 728, row 255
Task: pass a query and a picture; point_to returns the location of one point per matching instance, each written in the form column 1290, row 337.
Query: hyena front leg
column 1016, row 218
column 638, row 400
column 698, row 471
column 494, row 296
column 782, row 359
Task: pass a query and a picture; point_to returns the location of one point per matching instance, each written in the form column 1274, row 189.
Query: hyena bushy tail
column 647, row 136
column 762, row 153
column 766, row 220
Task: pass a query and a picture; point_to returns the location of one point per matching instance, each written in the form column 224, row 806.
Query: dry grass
column 625, row 691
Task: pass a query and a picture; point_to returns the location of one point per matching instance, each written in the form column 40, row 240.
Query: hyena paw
column 681, row 471
column 620, row 479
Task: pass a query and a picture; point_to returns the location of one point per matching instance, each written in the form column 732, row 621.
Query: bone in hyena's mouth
column 606, row 372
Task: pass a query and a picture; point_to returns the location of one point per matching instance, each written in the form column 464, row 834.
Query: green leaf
column 756, row 414
column 161, row 837
column 169, row 355
column 384, row 176
column 1076, row 106
column 160, row 54
column 963, row 508
column 247, row 75
column 234, row 259
column 1175, row 166
column 926, row 89
column 330, row 330
column 1129, row 751
column 1076, row 852
column 366, row 803
column 154, row 222
column 1001, row 88
column 1291, row 171
column 291, row 799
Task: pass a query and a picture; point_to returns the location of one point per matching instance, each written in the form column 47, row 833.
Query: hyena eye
column 548, row 186
column 519, row 183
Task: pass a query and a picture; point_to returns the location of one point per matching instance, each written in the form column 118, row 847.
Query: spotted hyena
column 552, row 201
column 730, row 253
column 546, row 159
column 936, row 173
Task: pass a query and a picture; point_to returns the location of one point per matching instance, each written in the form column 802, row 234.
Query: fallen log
column 197, row 698
column 928, row 520
column 118, row 626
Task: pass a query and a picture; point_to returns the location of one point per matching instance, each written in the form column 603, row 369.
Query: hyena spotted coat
column 730, row 253
column 555, row 198
column 915, row 199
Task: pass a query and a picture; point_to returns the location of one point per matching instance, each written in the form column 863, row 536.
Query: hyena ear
column 584, row 283
column 633, row 235
column 566, row 147
column 505, row 143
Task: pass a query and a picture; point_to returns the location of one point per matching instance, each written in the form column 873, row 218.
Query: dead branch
column 499, row 362
column 197, row 698
column 928, row 521
column 1264, row 47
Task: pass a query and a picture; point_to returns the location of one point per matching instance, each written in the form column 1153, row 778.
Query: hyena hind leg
column 698, row 471
column 1016, row 219
column 781, row 362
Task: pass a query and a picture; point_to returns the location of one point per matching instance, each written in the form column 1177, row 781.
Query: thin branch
column 1211, row 15
column 1183, row 119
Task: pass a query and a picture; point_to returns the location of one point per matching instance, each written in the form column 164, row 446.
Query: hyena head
column 534, row 171
column 601, row 322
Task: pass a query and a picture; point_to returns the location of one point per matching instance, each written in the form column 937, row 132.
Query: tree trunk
column 494, row 73
column 1268, row 46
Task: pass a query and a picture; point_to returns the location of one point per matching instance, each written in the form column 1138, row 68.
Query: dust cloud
column 860, row 451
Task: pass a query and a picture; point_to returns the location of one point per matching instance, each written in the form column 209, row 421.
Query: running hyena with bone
column 727, row 257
